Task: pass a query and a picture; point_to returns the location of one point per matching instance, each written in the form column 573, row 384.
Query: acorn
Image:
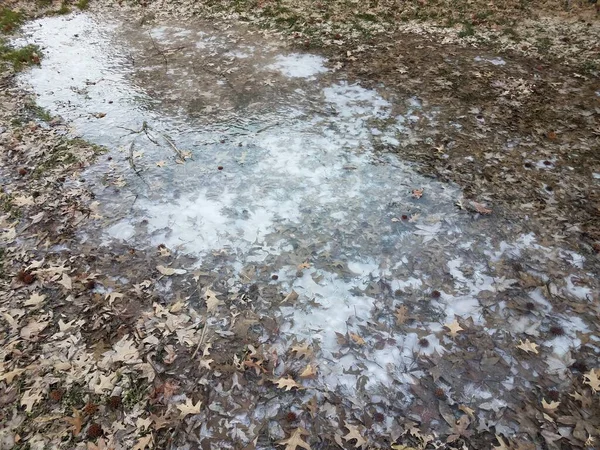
column 22, row 171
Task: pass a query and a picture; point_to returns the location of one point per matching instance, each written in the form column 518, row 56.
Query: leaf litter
column 474, row 329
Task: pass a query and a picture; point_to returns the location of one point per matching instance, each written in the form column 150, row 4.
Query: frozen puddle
column 260, row 163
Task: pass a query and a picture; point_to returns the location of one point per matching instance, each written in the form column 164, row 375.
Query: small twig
column 160, row 52
column 174, row 147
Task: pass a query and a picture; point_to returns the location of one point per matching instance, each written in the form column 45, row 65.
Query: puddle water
column 261, row 162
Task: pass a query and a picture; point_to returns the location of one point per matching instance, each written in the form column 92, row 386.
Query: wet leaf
column 309, row 372
column 357, row 339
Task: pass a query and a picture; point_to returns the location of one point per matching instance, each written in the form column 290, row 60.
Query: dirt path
column 335, row 231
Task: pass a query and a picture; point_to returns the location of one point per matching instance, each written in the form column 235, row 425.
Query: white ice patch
column 296, row 65
column 495, row 61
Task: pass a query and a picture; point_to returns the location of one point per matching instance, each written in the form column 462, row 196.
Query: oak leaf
column 143, row 442
column 287, row 383
column 309, row 372
column 354, row 433
column 302, row 350
column 454, row 328
column 212, row 302
column 295, row 440
column 592, row 379
column 401, row 315
column 189, row 408
column 528, row 346
column 76, row 422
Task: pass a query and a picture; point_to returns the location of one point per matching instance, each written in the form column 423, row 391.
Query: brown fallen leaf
column 76, row 422
column 32, row 329
column 188, row 408
column 287, row 383
column 417, row 193
column 401, row 315
column 295, row 440
column 302, row 350
column 528, row 346
column 454, row 328
column 592, row 379
column 356, row 338
column 480, row 208
column 354, row 433
column 309, row 372
column 143, row 442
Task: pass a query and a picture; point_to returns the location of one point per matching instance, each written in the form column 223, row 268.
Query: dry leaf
column 143, row 442
column 189, row 408
column 287, row 383
column 309, row 372
column 528, row 346
column 592, row 379
column 76, row 422
column 35, row 300
column 401, row 315
column 168, row 271
column 28, row 399
column 480, row 208
column 295, row 440
column 354, row 433
column 32, row 329
column 212, row 302
column 454, row 328
column 66, row 281
column 550, row 406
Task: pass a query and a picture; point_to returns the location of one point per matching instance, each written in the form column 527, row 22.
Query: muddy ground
column 115, row 346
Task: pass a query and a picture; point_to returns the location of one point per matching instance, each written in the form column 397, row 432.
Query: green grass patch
column 467, row 30
column 64, row 9
column 10, row 20
column 19, row 58
column 83, row 4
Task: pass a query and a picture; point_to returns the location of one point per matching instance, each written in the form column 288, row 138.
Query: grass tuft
column 9, row 20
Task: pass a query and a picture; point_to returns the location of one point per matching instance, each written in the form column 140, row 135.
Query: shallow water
column 227, row 147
